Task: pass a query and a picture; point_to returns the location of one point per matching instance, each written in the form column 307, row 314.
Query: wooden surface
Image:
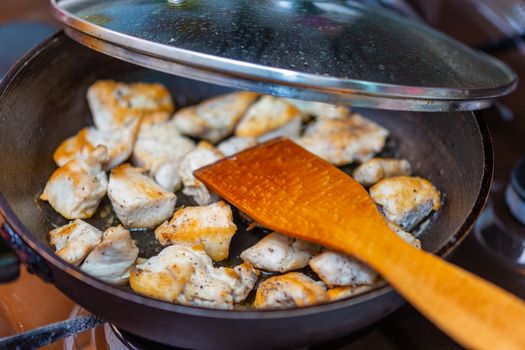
column 25, row 10
column 288, row 189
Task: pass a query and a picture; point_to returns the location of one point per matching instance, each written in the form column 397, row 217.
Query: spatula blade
column 288, row 189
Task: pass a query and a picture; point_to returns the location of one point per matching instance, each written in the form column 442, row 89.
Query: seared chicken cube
column 114, row 104
column 137, row 200
column 113, row 258
column 343, row 141
column 337, row 269
column 235, row 145
column 168, row 175
column 119, row 143
column 406, row 200
column 292, row 129
column 210, row 225
column 186, row 275
column 279, row 253
column 203, row 155
column 219, row 287
column 154, row 118
column 375, row 169
column 320, row 110
column 75, row 189
column 160, row 149
column 339, row 293
column 293, row 289
column 165, row 275
column 244, row 282
column 270, row 114
column 214, row 119
column 406, row 236
column 74, row 241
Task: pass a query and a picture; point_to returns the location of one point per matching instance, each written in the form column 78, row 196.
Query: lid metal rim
column 279, row 75
column 356, row 99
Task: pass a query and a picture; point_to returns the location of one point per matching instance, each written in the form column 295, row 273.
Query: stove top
column 404, row 329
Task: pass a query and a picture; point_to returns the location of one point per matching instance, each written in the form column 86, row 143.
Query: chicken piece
column 269, row 114
column 203, row 155
column 292, row 129
column 75, row 189
column 406, row 200
column 137, row 200
column 244, row 283
column 235, row 145
column 112, row 259
column 279, row 253
column 186, row 275
column 339, row 293
column 160, row 149
column 74, row 241
column 164, row 276
column 406, row 236
column 220, row 287
column 293, row 289
column 154, row 118
column 320, row 110
column 210, row 225
column 116, row 104
column 337, row 269
column 375, row 169
column 119, row 143
column 343, row 141
column 215, row 118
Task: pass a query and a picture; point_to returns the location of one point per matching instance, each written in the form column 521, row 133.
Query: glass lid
column 341, row 52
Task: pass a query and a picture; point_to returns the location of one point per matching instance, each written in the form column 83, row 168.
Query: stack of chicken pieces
column 140, row 152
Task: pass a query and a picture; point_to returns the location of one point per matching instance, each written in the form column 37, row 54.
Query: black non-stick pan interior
column 42, row 107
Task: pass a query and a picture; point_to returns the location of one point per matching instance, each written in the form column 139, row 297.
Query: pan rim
column 50, row 258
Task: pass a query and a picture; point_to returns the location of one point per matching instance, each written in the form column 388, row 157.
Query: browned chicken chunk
column 214, row 119
column 114, row 104
column 339, row 293
column 279, row 253
column 270, row 117
column 211, row 225
column 234, row 145
column 375, row 169
column 160, row 149
column 290, row 290
column 74, row 241
column 337, row 269
column 119, row 143
column 113, row 258
column 137, row 200
column 343, row 141
column 75, row 189
column 320, row 110
column 203, row 155
column 406, row 200
column 186, row 275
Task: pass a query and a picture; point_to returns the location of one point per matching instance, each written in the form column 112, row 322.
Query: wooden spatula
column 288, row 189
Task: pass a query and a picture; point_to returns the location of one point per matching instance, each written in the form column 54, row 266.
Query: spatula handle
column 476, row 313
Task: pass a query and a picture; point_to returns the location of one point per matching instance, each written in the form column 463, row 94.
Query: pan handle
column 13, row 251
column 49, row 334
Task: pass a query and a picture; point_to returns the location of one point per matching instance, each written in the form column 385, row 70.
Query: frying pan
column 42, row 101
